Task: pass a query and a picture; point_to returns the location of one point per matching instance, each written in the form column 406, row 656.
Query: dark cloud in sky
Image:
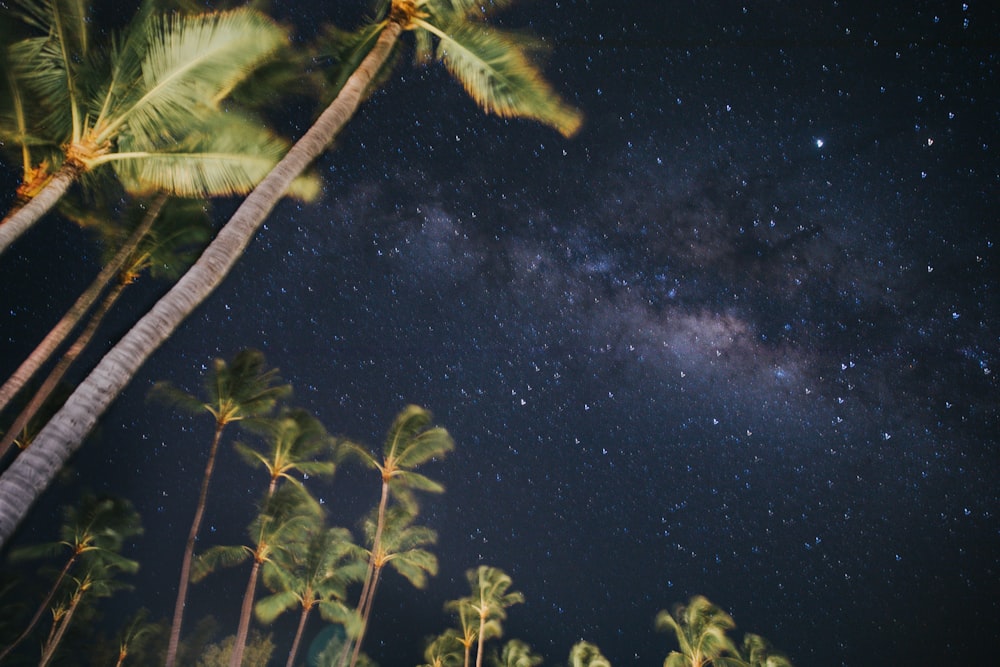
column 739, row 338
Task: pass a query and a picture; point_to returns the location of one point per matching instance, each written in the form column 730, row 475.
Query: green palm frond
column 494, row 69
column 270, row 607
column 585, row 654
column 191, row 61
column 222, row 154
column 415, row 565
column 216, row 557
column 415, row 481
column 420, row 449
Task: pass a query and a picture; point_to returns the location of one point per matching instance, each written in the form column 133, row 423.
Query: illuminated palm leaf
column 495, row 71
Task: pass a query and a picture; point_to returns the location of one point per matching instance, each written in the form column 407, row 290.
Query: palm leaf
column 216, row 557
column 422, row 448
column 227, row 154
column 191, row 62
column 270, row 607
column 493, row 68
column 415, row 481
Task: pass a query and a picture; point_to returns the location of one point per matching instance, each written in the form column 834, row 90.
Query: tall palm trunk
column 244, row 628
column 371, row 576
column 74, row 315
column 185, row 581
column 57, row 373
column 479, row 639
column 60, row 630
column 306, row 608
column 21, row 219
column 34, row 469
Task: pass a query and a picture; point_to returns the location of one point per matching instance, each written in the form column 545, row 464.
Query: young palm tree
column 489, row 601
column 312, row 575
column 700, row 629
column 585, row 654
column 243, row 389
column 468, row 621
column 445, row 650
column 757, row 652
column 164, row 249
column 516, row 653
column 149, row 105
column 400, row 545
column 490, row 62
column 98, row 529
column 284, row 519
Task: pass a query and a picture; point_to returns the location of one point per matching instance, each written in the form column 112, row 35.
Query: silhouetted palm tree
column 234, row 392
column 700, row 629
column 491, row 63
column 97, row 528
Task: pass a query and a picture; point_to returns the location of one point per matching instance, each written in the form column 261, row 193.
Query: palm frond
column 270, row 607
column 415, row 481
column 191, row 62
column 216, row 557
column 493, row 68
column 222, row 154
column 420, row 449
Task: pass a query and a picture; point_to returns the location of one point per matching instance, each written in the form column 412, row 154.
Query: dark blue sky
column 737, row 338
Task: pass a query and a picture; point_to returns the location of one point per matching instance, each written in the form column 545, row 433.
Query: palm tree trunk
column 52, row 381
column 41, row 608
column 20, row 220
column 367, row 614
column 241, row 633
column 479, row 640
column 56, row 638
column 184, row 584
column 371, row 577
column 74, row 315
column 298, row 636
column 34, row 469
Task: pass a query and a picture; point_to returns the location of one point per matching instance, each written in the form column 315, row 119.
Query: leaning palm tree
column 700, row 628
column 490, row 63
column 758, row 652
column 165, row 248
column 400, row 546
column 313, row 574
column 284, row 519
column 241, row 390
column 149, row 105
column 445, row 650
column 468, row 625
column 97, row 529
column 516, row 653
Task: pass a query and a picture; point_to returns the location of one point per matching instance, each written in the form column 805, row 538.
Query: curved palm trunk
column 20, row 220
column 479, row 640
column 365, row 616
column 75, row 314
column 56, row 376
column 42, row 607
column 185, row 581
column 34, row 469
column 298, row 635
column 241, row 633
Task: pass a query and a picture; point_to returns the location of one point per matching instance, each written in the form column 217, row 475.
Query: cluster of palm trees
column 152, row 112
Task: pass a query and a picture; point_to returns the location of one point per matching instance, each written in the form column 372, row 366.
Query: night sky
column 737, row 338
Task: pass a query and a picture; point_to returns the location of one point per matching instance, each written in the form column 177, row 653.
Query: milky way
column 738, row 338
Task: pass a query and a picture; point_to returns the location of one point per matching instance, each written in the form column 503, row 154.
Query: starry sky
column 738, row 338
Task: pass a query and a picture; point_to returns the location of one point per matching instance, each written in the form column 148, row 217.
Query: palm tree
column 97, row 528
column 585, row 654
column 285, row 518
column 151, row 108
column 45, row 349
column 97, row 581
column 700, row 629
column 445, row 650
column 516, row 653
column 411, row 442
column 489, row 600
column 309, row 575
column 505, row 82
column 468, row 621
column 241, row 390
column 137, row 630
column 163, row 249
column 757, row 652
column 400, row 545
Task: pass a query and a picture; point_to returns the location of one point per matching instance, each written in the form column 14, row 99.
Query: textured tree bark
column 20, row 220
column 31, row 473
